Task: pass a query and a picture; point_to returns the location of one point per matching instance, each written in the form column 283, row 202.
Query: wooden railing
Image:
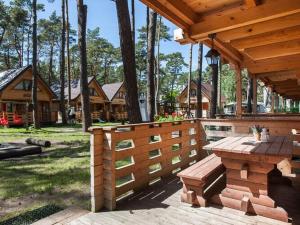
column 125, row 159
column 120, row 116
column 10, row 117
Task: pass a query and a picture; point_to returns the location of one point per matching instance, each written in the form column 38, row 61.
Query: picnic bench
column 202, row 180
column 249, row 169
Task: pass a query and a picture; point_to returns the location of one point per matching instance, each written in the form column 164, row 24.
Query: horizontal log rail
column 127, row 158
column 10, row 117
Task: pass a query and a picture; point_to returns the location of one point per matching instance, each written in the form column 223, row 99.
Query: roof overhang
column 262, row 36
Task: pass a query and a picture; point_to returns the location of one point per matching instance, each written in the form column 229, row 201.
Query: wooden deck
column 160, row 204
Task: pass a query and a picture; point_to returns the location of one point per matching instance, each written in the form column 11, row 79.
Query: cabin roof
column 111, row 89
column 206, row 89
column 75, row 88
column 8, row 76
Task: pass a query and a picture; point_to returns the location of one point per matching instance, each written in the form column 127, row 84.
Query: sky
column 102, row 13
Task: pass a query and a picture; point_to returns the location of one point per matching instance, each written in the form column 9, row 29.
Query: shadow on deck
column 160, row 204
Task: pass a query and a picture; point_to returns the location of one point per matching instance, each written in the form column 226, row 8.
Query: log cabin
column 15, row 98
column 206, row 98
column 116, row 93
column 98, row 99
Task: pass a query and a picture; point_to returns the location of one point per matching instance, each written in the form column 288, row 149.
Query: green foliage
column 168, row 118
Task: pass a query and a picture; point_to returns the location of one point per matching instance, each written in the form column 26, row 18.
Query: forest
column 59, row 57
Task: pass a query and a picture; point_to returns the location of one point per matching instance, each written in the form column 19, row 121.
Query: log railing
column 127, row 158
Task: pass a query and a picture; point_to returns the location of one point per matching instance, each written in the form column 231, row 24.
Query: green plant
column 168, row 118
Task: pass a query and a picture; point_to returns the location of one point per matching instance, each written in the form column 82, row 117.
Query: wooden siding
column 11, row 94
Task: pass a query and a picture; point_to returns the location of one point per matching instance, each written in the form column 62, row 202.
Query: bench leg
column 188, row 197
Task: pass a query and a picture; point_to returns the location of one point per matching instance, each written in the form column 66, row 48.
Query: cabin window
column 121, row 95
column 93, row 92
column 193, row 93
column 25, row 85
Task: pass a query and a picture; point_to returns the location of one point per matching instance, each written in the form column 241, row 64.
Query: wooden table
column 248, row 165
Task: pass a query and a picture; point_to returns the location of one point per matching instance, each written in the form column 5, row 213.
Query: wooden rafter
column 267, row 38
column 165, row 12
column 267, row 11
column 260, row 27
column 228, row 53
column 274, row 50
column 274, row 64
column 285, row 73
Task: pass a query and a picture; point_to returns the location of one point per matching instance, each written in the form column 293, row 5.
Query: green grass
column 59, row 176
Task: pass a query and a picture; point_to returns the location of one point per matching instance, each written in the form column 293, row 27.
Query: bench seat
column 201, row 180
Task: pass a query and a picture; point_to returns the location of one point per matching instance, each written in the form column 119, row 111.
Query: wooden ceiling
column 260, row 35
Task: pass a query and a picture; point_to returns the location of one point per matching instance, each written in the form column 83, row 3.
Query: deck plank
column 160, row 204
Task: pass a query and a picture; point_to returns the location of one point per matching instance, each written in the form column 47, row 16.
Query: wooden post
column 96, row 168
column 254, row 108
column 272, row 101
column 238, row 78
column 214, row 91
column 109, row 172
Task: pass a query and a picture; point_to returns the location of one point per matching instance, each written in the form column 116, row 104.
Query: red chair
column 3, row 121
column 17, row 120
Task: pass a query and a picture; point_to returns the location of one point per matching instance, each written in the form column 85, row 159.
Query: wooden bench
column 202, row 180
column 295, row 162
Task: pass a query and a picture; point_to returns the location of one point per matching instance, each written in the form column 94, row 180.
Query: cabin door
column 45, row 112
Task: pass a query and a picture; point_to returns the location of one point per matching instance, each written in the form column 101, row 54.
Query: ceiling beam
column 260, row 28
column 273, row 65
column 272, row 37
column 285, row 73
column 274, row 50
column 267, row 11
column 230, row 54
column 168, row 14
column 182, row 10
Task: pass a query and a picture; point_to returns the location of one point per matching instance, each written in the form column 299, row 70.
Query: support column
column 96, row 168
column 238, row 80
column 254, row 108
column 214, row 91
column 272, row 101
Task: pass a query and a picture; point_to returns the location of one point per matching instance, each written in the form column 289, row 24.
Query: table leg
column 247, row 189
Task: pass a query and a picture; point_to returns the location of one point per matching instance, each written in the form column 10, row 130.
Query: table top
column 277, row 146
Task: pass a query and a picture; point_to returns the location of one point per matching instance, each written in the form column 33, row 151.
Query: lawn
column 60, row 175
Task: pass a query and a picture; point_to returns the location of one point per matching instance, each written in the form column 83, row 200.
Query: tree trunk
column 51, row 64
column 62, row 66
column 249, row 94
column 147, row 23
column 199, row 82
column 189, row 82
column 85, row 98
column 150, row 66
column 158, row 68
column 28, row 48
column 68, row 52
column 129, row 65
column 36, row 121
column 214, row 92
column 133, row 23
column 220, row 110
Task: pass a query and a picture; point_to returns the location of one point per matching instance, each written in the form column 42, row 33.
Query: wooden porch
column 131, row 168
column 160, row 204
